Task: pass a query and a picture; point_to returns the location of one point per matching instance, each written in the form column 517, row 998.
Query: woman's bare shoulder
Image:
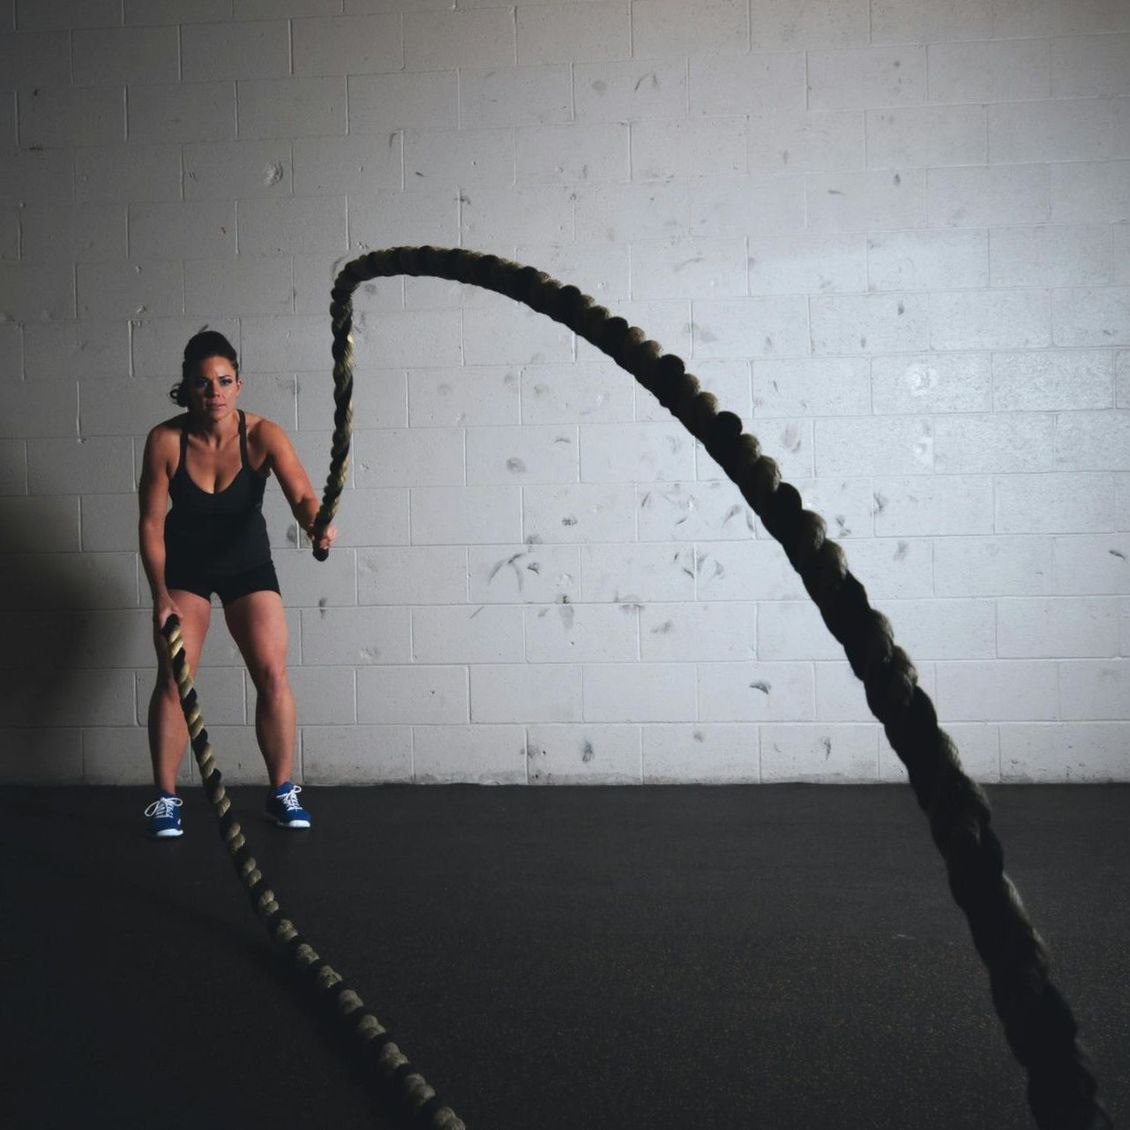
column 167, row 431
column 262, row 431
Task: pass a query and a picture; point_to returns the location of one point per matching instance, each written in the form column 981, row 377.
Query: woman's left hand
column 327, row 538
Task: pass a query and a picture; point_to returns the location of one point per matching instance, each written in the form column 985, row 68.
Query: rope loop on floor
column 1037, row 1020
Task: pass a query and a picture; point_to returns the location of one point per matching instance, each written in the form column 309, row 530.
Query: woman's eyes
column 224, row 381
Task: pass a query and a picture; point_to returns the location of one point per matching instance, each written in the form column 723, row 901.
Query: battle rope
column 1037, row 1019
column 391, row 1066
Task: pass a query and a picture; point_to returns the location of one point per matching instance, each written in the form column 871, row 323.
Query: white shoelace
column 290, row 799
column 164, row 806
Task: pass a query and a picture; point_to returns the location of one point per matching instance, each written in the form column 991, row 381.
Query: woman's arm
column 153, row 498
column 295, row 483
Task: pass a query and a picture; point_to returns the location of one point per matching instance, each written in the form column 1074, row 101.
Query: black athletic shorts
column 228, row 587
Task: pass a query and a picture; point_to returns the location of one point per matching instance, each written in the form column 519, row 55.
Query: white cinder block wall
column 891, row 235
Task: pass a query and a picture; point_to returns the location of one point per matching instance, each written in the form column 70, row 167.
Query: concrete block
column 1090, row 66
column 586, row 633
column 994, row 444
column 926, row 135
column 918, row 21
column 292, row 107
column 635, row 453
column 383, row 103
column 520, row 692
column 127, row 173
column 356, row 755
column 1053, row 379
column 57, row 116
column 999, row 690
column 584, row 755
column 129, row 290
column 478, row 515
column 549, row 454
column 797, row 264
column 566, row 33
column 629, row 574
column 323, row 695
column 866, row 201
column 444, row 40
column 823, row 753
column 627, row 213
column 13, row 466
column 33, row 174
column 119, row 755
column 315, row 275
column 182, row 113
column 529, row 574
column 685, row 512
column 1069, row 753
column 933, row 382
column 395, row 575
column 514, row 96
column 121, row 406
column 264, row 9
column 1091, row 564
column 121, row 55
column 1098, row 316
column 939, row 505
column 176, row 11
column 499, row 332
column 755, row 692
column 598, row 269
column 667, row 322
column 1068, row 130
column 685, row 147
column 662, row 28
column 471, row 396
column 334, row 582
column 1044, row 18
column 1121, row 379
column 887, row 446
column 1051, row 256
column 746, row 571
column 1122, row 256
column 373, row 518
column 727, row 381
column 630, row 91
column 189, row 229
column 866, row 78
column 992, row 566
column 495, row 219
column 845, row 504
column 109, row 523
column 589, row 392
column 93, row 698
column 869, row 323
column 71, row 466
column 83, row 232
column 67, row 14
column 811, row 387
column 469, row 159
column 39, row 756
column 981, row 196
column 567, row 154
column 465, row 634
column 389, row 219
column 806, row 141
column 794, row 630
column 699, row 632
column 336, row 45
column 840, row 696
column 344, row 165
column 481, row 755
column 682, row 754
column 978, row 748
column 721, row 84
column 944, row 629
column 49, row 524
column 354, row 636
column 995, row 319
column 750, row 327
column 895, row 569
column 928, row 260
column 1058, row 627
column 258, row 49
column 244, row 285
column 292, row 225
column 36, row 58
column 1013, row 70
column 34, row 292
column 688, row 269
column 583, row 512
column 426, row 457
column 639, row 692
column 1092, row 690
column 1120, row 112
column 158, row 343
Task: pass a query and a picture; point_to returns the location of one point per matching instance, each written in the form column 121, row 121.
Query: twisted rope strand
column 384, row 1058
column 1037, row 1019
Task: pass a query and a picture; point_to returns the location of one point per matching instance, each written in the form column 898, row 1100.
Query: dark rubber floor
column 774, row 957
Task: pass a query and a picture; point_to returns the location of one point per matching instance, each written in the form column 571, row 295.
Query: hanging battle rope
column 1037, row 1019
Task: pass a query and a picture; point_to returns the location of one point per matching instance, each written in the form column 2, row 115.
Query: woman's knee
column 270, row 679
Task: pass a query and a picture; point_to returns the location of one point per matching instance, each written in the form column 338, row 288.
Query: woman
column 213, row 462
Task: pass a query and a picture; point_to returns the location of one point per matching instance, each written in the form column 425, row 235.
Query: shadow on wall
column 68, row 646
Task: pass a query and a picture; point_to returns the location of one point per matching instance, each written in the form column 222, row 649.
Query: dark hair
column 201, row 346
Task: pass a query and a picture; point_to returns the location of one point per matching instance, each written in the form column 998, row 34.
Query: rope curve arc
column 390, row 1066
column 1037, row 1019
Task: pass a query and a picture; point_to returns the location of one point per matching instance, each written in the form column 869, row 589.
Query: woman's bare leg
column 168, row 734
column 257, row 623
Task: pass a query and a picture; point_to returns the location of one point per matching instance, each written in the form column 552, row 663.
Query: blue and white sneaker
column 164, row 817
column 283, row 807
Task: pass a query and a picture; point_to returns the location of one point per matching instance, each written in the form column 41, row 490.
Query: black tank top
column 221, row 533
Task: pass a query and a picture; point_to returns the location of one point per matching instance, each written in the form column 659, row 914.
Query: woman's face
column 213, row 391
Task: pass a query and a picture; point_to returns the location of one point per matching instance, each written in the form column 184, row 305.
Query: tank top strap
column 243, row 440
column 182, row 465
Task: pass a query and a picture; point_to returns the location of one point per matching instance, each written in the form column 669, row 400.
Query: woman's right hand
column 163, row 608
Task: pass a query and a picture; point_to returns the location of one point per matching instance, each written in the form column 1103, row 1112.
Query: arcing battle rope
column 391, row 1067
column 1037, row 1019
